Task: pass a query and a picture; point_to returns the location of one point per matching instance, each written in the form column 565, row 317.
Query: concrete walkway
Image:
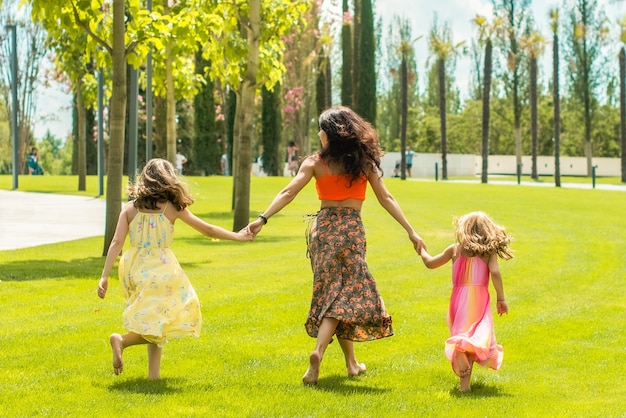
column 31, row 219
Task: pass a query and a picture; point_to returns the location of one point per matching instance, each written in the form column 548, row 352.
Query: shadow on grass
column 480, row 390
column 25, row 270
column 347, row 386
column 145, row 386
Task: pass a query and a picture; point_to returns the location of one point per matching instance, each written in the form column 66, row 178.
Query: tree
column 587, row 34
column 440, row 42
column 366, row 98
column 347, row 96
column 515, row 22
column 622, row 95
column 82, row 16
column 486, row 32
column 271, row 126
column 250, row 30
column 206, row 152
column 30, row 52
column 556, row 97
column 534, row 45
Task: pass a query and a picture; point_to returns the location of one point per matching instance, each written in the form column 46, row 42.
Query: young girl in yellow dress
column 480, row 241
column 161, row 303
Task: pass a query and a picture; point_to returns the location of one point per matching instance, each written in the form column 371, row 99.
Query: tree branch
column 83, row 25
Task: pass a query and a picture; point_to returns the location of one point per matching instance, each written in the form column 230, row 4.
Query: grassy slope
column 563, row 338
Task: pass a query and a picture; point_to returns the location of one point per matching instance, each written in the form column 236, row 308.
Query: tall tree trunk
column 557, row 110
column 118, row 119
column 486, row 111
column 587, row 108
column 171, row 100
column 346, row 53
column 622, row 108
column 81, row 112
column 244, row 119
column 320, row 84
column 356, row 56
column 533, row 114
column 441, row 72
column 404, row 112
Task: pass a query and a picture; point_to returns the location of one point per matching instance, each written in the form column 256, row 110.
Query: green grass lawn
column 563, row 338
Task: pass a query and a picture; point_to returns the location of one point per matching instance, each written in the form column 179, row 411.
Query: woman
column 345, row 298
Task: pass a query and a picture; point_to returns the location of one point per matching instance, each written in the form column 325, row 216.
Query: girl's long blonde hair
column 479, row 235
column 158, row 183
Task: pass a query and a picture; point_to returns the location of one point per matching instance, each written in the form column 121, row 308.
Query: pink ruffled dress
column 469, row 317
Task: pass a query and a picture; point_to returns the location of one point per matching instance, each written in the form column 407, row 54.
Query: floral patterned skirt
column 343, row 287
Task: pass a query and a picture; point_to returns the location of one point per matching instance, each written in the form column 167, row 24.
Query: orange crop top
column 337, row 186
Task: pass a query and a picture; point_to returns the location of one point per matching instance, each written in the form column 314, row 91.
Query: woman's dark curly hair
column 158, row 183
column 352, row 141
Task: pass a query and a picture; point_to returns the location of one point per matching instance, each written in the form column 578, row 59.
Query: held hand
column 246, row 234
column 256, row 226
column 418, row 242
column 503, row 308
column 103, row 286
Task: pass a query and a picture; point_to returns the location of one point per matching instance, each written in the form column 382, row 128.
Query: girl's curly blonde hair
column 158, row 183
column 479, row 235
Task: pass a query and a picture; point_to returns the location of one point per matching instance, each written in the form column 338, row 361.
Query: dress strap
column 165, row 207
column 324, row 166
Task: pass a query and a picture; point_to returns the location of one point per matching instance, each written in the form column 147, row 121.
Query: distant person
column 292, row 158
column 345, row 301
column 474, row 257
column 224, row 162
column 396, row 170
column 161, row 303
column 409, row 159
column 33, row 163
column 180, row 161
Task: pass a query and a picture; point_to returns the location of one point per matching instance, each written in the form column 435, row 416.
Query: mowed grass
column 563, row 339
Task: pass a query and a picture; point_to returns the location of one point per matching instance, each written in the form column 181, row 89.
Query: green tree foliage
column 515, row 24
column 207, row 150
column 366, row 98
column 586, row 37
column 271, row 123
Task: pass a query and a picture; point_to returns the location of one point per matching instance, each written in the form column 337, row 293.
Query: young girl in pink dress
column 480, row 241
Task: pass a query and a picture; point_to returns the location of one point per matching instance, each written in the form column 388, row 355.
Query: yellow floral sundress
column 161, row 303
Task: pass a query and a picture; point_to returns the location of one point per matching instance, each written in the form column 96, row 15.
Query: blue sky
column 54, row 105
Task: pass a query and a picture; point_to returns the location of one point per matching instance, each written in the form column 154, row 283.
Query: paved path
column 31, row 219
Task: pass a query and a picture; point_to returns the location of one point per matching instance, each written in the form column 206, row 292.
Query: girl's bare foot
column 356, row 369
column 465, row 384
column 461, row 364
column 117, row 348
column 313, row 372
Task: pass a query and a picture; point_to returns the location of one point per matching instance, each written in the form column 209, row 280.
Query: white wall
column 470, row 165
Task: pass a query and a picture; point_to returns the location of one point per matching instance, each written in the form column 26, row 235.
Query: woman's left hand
column 418, row 242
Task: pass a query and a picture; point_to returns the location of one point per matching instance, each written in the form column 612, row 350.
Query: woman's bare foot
column 356, row 369
column 117, row 348
column 313, row 372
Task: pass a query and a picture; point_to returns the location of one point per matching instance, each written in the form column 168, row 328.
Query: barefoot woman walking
column 345, row 300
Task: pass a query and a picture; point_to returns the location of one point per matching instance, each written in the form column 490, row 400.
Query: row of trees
column 209, row 60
